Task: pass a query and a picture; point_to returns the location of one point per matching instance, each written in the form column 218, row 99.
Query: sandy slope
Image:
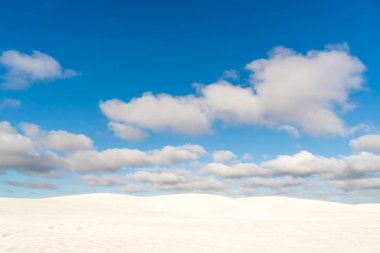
column 186, row 223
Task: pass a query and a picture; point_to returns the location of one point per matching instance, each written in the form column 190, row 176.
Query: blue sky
column 123, row 49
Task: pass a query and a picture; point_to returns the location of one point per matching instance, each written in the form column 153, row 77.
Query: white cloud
column 10, row 103
column 174, row 154
column 58, row 140
column 290, row 130
column 22, row 70
column 358, row 184
column 304, row 89
column 31, row 130
column 31, row 184
column 236, row 170
column 306, row 164
column 27, row 152
column 106, row 160
column 133, row 189
column 221, row 156
column 366, row 143
column 286, row 181
column 231, row 104
column 103, row 180
column 67, row 142
column 279, row 173
column 177, row 180
column 20, row 152
column 299, row 168
column 174, row 176
column 115, row 159
column 363, row 162
column 159, row 113
column 34, row 152
column 288, row 91
column 127, row 132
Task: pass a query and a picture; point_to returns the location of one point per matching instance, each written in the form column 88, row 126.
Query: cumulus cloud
column 236, row 170
column 285, row 174
column 133, row 189
column 21, row 153
column 113, row 180
column 177, row 180
column 159, row 179
column 65, row 141
column 22, row 70
column 357, row 184
column 273, row 182
column 58, row 140
column 305, row 163
column 351, row 172
column 231, row 104
column 103, row 180
column 366, row 143
column 35, row 152
column 27, row 151
column 305, row 89
column 10, row 103
column 301, row 164
column 221, row 156
column 115, row 159
column 31, row 184
column 174, row 154
column 289, row 91
column 127, row 132
column 362, row 163
column 159, row 113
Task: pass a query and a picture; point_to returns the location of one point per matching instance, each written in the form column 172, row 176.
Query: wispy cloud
column 10, row 103
column 22, row 70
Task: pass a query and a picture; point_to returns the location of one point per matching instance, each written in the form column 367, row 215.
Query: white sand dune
column 182, row 223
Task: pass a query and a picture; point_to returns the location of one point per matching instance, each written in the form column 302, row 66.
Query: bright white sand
column 186, row 223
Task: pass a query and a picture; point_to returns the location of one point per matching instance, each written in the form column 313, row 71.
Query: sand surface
column 193, row 223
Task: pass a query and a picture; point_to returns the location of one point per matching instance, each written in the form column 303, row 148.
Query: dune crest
column 186, row 223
